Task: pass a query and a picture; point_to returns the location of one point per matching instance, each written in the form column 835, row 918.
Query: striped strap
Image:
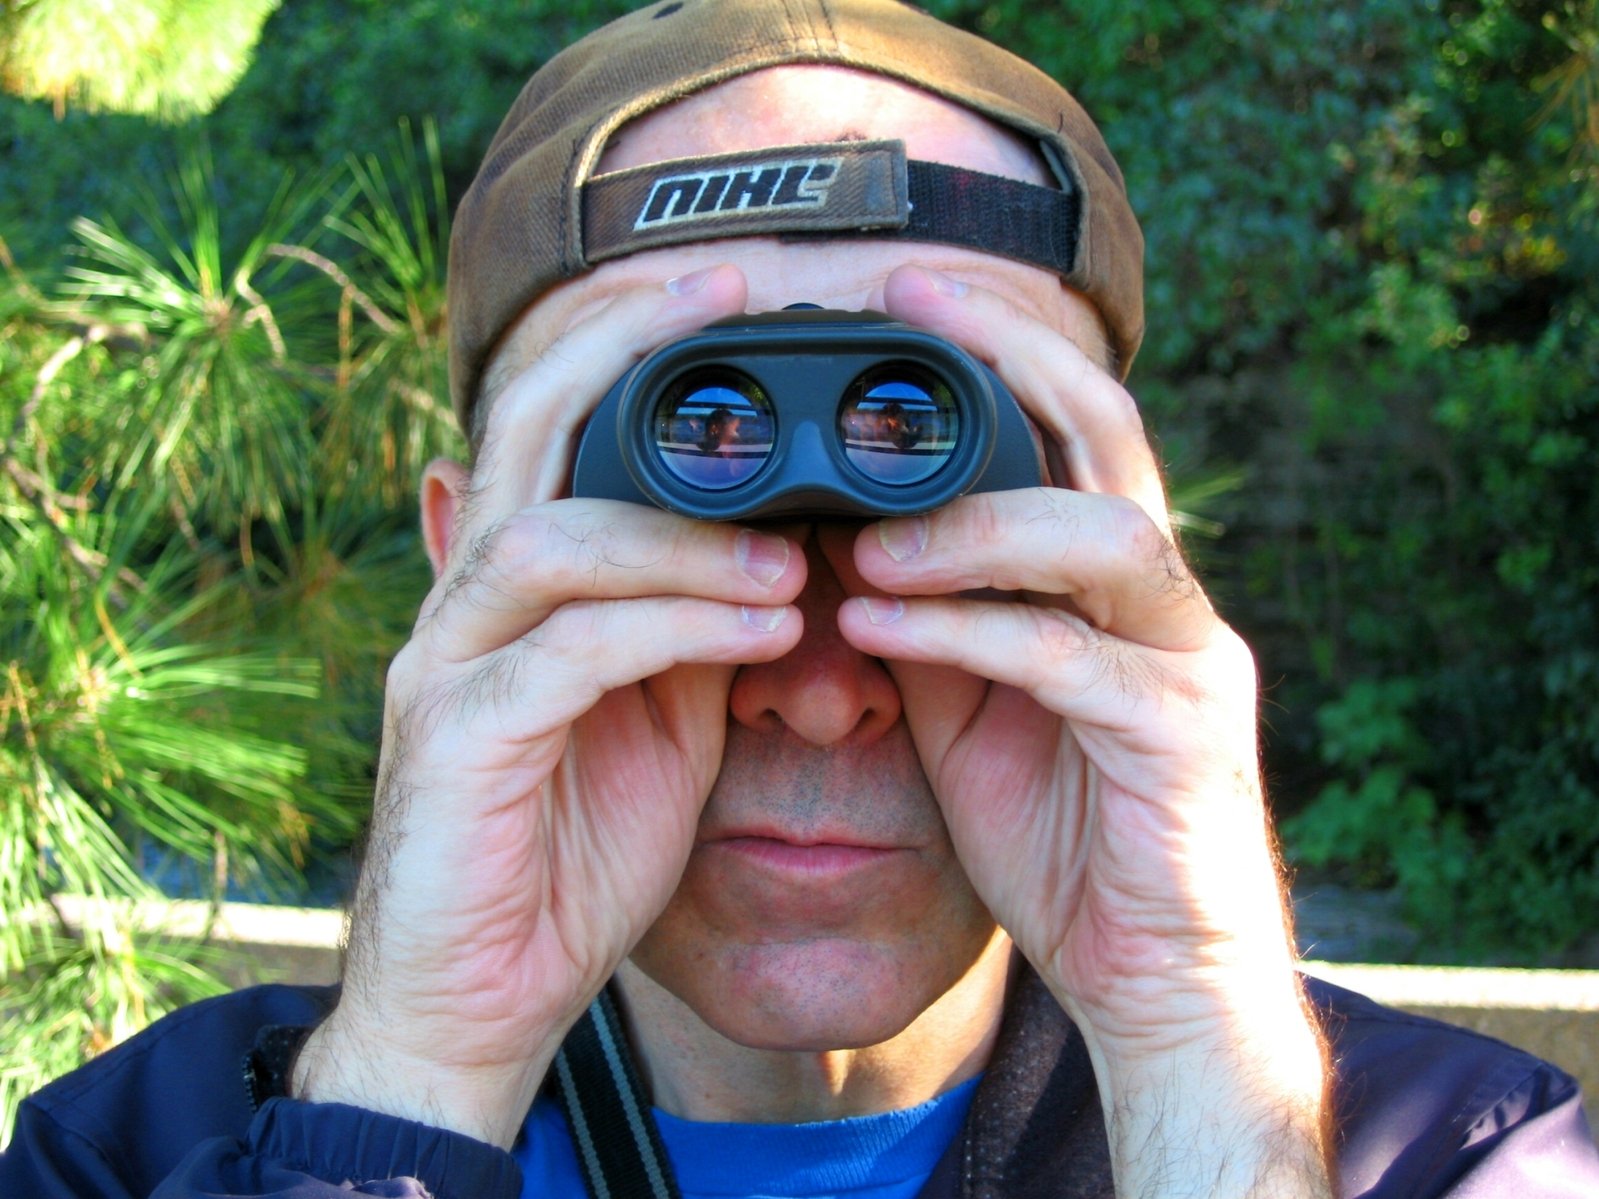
column 616, row 1138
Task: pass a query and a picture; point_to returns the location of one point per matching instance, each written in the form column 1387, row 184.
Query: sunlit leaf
column 168, row 58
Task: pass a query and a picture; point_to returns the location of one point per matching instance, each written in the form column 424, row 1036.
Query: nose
column 824, row 690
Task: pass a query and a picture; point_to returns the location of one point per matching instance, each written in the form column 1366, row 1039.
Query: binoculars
column 807, row 412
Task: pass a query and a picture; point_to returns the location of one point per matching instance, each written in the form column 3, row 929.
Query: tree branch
column 332, row 270
column 36, row 489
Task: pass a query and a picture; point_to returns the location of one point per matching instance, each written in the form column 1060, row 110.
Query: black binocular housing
column 805, row 412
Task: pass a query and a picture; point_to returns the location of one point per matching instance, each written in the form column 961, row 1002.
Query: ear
column 444, row 488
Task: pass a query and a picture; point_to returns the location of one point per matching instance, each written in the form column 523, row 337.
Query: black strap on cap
column 993, row 214
column 829, row 190
column 617, row 1142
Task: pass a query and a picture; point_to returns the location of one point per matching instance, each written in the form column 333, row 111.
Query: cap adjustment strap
column 834, row 189
column 994, row 214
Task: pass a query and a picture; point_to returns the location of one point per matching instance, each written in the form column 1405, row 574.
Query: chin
column 811, row 996
column 820, row 996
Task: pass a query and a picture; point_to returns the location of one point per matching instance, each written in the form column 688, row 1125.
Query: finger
column 1082, row 410
column 520, row 571
column 533, row 425
column 1062, row 661
column 1100, row 555
column 543, row 681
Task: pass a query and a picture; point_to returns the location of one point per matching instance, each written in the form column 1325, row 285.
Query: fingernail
column 946, row 285
column 903, row 539
column 764, row 619
column 687, row 285
column 882, row 609
column 761, row 556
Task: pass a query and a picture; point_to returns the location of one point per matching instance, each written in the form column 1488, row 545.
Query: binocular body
column 805, row 412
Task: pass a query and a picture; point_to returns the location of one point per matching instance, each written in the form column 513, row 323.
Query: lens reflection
column 898, row 423
column 713, row 429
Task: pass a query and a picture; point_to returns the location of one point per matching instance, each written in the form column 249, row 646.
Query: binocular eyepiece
column 805, row 412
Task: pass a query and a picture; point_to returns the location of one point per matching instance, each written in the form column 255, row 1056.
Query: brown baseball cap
column 538, row 214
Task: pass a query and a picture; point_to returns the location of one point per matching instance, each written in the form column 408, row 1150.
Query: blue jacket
column 193, row 1107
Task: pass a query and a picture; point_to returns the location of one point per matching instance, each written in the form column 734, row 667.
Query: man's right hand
column 550, row 734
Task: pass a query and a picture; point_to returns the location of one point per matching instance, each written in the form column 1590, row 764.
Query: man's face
column 823, row 905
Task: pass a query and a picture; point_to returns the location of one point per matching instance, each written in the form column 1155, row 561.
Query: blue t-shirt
column 886, row 1156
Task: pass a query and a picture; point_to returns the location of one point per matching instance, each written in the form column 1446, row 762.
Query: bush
column 1371, row 291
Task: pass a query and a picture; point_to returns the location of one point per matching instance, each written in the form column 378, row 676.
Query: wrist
column 359, row 1068
column 1216, row 1092
column 1166, row 1002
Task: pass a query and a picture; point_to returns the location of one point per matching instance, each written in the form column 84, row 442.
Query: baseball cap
column 538, row 213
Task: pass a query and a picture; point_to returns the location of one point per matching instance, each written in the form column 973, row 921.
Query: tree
column 167, row 58
column 204, row 567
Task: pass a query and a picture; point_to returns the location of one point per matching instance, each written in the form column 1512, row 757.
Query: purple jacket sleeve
column 169, row 1115
column 328, row 1151
column 1550, row 1155
column 1429, row 1111
column 290, row 1151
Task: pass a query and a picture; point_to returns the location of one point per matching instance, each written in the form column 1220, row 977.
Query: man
column 921, row 856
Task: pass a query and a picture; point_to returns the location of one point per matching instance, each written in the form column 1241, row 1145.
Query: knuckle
column 1127, row 673
column 1106, row 664
column 1061, row 637
column 985, row 531
column 984, row 523
column 582, row 628
column 413, row 717
column 534, row 553
column 1152, row 550
column 500, row 555
column 495, row 683
column 569, row 555
column 1236, row 660
column 1058, row 511
column 591, row 639
column 1129, row 526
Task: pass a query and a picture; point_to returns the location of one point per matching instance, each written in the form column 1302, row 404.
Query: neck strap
column 617, row 1142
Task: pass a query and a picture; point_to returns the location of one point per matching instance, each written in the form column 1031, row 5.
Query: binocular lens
column 898, row 423
column 714, row 429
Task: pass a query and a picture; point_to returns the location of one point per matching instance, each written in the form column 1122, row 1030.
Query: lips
column 820, row 857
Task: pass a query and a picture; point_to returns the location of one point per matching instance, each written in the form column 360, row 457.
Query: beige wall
column 1552, row 1013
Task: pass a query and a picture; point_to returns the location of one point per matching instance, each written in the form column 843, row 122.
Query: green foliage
column 88, row 992
column 399, row 227
column 221, row 412
column 205, row 564
column 170, row 58
column 1450, row 421
column 1375, row 819
column 120, row 727
column 1371, row 265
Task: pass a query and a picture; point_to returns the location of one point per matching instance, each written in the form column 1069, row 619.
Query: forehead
column 794, row 105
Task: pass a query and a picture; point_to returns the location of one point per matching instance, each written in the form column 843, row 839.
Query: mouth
column 820, row 857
